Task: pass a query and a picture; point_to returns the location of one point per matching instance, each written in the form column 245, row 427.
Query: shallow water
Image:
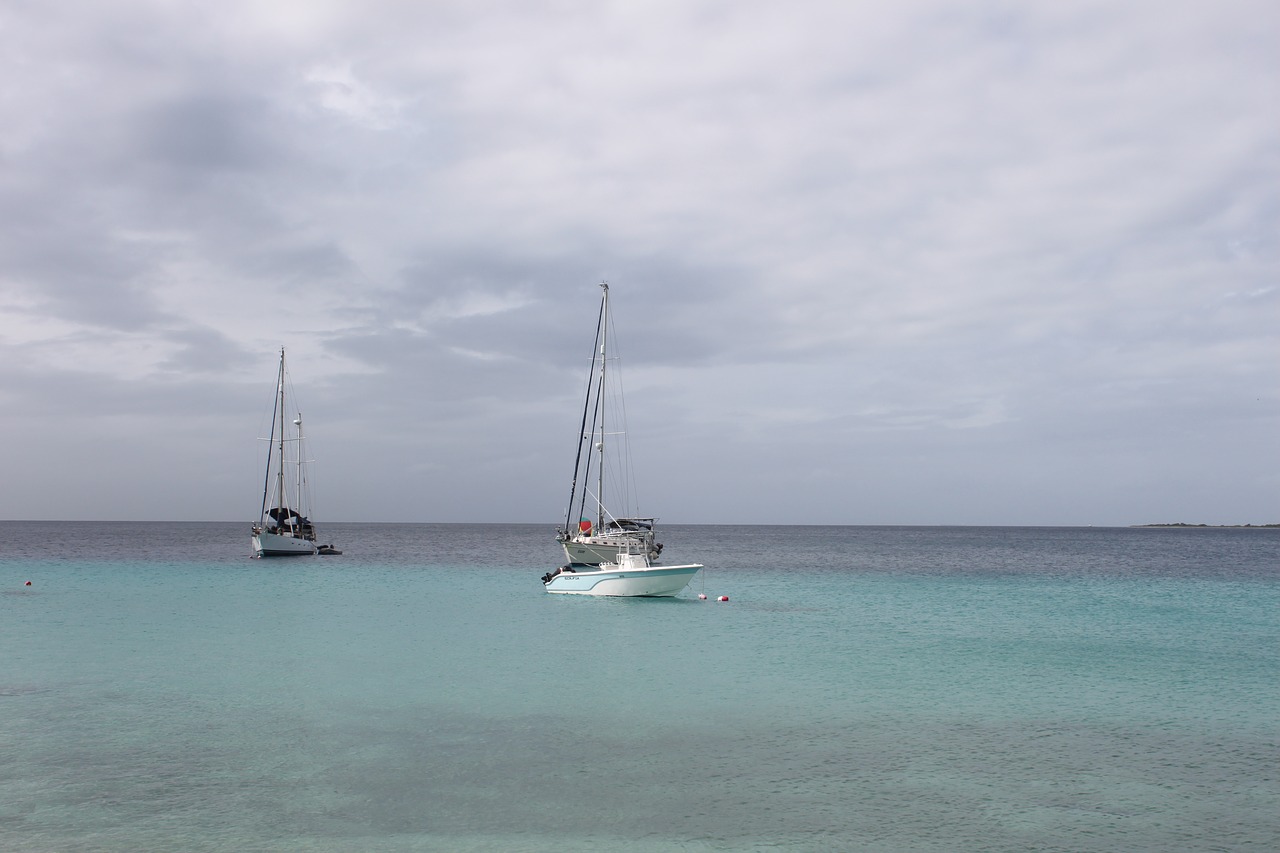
column 864, row 689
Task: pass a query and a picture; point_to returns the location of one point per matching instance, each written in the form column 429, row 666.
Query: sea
column 861, row 689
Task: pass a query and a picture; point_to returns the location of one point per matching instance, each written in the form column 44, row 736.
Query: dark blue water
column 864, row 689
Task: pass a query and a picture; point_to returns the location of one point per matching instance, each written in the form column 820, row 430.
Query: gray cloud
column 909, row 264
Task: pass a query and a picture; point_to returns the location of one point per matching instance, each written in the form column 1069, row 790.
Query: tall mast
column 299, row 505
column 280, row 469
column 578, row 499
column 266, row 474
column 604, row 362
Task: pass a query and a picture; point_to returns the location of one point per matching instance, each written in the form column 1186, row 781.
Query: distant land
column 1184, row 524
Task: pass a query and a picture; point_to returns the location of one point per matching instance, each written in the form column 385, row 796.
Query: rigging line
column 304, row 493
column 304, row 496
column 588, row 451
column 602, row 398
column 266, row 477
column 282, row 493
column 626, row 493
column 630, row 490
column 577, row 462
column 289, row 395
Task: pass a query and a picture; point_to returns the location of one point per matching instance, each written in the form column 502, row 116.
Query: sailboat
column 608, row 553
column 284, row 528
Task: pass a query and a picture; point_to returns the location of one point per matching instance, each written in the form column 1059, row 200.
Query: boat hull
column 594, row 550
column 274, row 545
column 649, row 582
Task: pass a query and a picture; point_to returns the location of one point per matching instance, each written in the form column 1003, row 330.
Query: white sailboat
column 284, row 528
column 608, row 545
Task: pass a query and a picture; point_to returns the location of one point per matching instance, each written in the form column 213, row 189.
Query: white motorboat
column 631, row 575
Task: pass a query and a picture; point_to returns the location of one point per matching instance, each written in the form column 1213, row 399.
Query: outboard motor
column 549, row 575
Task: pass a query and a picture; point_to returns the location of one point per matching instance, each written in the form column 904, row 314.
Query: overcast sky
column 871, row 263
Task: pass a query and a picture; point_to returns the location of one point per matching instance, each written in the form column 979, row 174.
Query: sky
column 922, row 262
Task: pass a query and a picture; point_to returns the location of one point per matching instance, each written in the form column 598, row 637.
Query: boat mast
column 604, row 362
column 280, row 502
column 266, row 475
column 297, row 490
column 578, row 500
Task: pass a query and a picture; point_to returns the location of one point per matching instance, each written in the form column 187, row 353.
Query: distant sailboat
column 284, row 527
column 608, row 553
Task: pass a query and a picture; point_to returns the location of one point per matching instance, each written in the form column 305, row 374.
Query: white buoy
column 702, row 596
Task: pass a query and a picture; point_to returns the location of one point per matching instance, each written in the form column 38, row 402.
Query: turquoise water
column 864, row 689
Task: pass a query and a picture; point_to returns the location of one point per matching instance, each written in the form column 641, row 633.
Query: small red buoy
column 723, row 598
column 28, row 583
column 702, row 596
